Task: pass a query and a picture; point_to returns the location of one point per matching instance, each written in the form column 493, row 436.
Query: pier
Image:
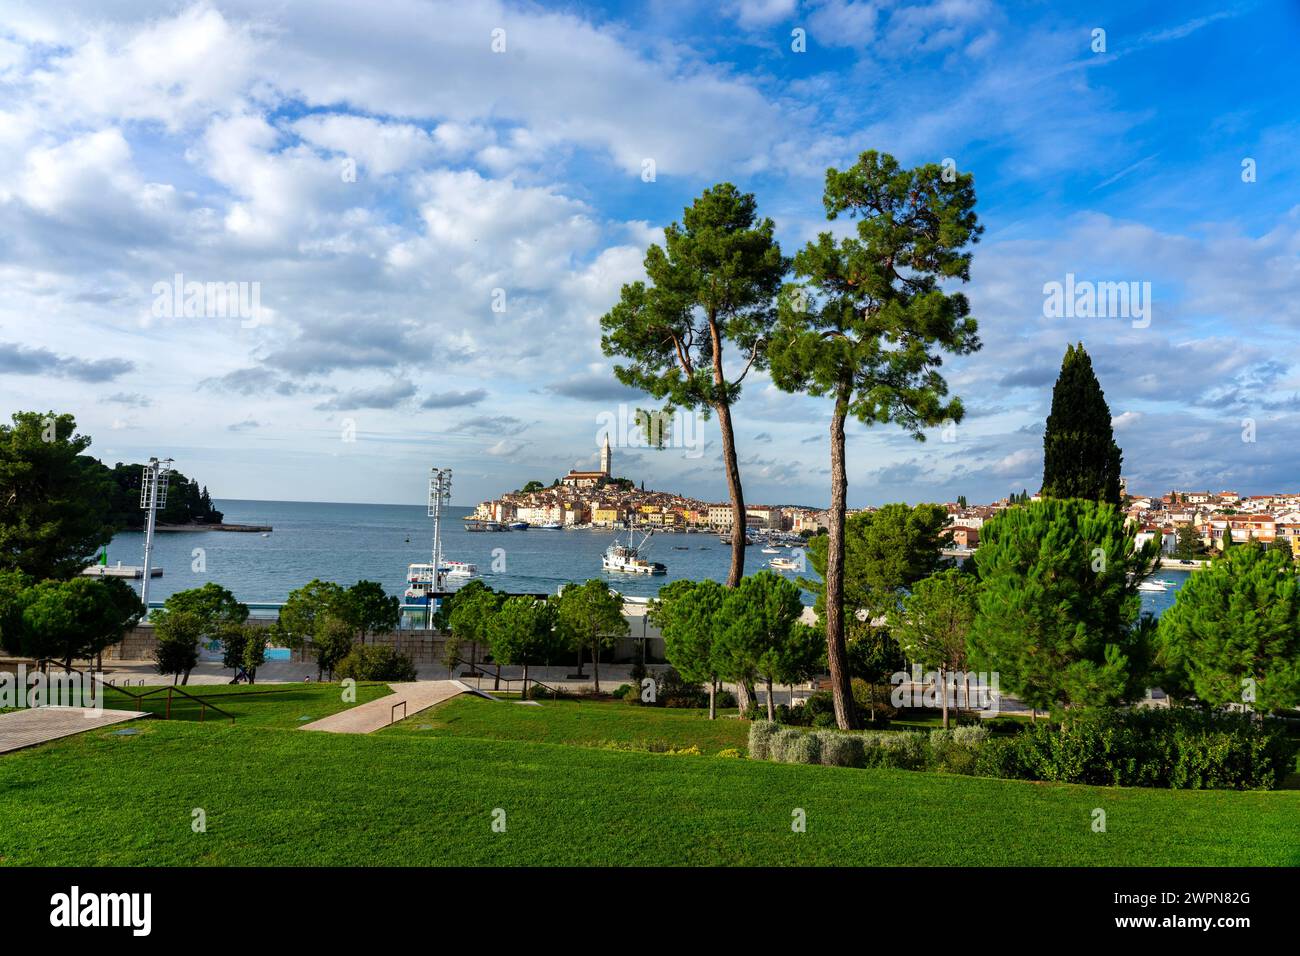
column 119, row 570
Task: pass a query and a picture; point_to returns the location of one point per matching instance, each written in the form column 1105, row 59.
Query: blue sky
column 139, row 140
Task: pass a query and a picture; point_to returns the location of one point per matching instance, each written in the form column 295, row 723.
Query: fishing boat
column 519, row 526
column 484, row 524
column 630, row 558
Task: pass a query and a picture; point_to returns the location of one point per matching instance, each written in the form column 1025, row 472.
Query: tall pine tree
column 1080, row 457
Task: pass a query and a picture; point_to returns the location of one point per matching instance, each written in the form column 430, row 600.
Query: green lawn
column 578, row 723
column 280, row 796
column 258, row 705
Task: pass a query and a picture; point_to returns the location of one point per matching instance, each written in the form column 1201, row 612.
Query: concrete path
column 38, row 725
column 372, row 716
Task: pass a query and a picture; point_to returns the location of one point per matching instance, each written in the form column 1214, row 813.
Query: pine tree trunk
column 771, row 707
column 836, row 651
column 713, row 699
column 745, row 696
column 943, row 689
column 595, row 664
column 739, row 528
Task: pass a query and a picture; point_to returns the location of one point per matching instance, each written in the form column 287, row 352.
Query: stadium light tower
column 439, row 499
column 153, row 495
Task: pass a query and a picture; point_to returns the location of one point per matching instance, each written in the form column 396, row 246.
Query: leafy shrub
column 692, row 751
column 824, row 720
column 725, row 699
column 674, row 691
column 819, row 704
column 905, row 750
column 620, row 692
column 731, row 752
column 1000, row 757
column 781, row 743
column 862, row 700
column 956, row 750
column 761, row 733
column 840, row 749
column 376, row 662
column 538, row 692
column 803, row 747
column 1177, row 747
column 971, row 735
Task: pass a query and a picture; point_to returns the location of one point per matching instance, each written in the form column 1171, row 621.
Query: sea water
column 346, row 543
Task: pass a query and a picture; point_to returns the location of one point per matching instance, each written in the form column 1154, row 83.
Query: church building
column 589, row 479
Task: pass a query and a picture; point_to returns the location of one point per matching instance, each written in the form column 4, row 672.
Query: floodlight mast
column 153, row 495
column 439, row 498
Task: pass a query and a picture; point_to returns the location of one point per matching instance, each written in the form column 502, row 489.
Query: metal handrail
column 479, row 672
column 203, row 704
column 392, row 716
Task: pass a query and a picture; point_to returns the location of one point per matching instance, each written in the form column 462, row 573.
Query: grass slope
column 289, row 797
column 259, row 705
column 578, row 723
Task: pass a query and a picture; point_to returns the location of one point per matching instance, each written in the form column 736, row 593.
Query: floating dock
column 120, row 570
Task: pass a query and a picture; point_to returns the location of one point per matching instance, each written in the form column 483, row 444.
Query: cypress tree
column 1080, row 457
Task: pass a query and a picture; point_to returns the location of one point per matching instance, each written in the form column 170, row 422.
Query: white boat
column 420, row 584
column 628, row 558
column 784, row 564
column 551, row 526
column 1152, row 586
column 458, row 569
column 771, row 550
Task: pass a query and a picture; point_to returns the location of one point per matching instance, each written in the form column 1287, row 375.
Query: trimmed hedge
column 839, row 750
column 1177, row 748
column 761, row 733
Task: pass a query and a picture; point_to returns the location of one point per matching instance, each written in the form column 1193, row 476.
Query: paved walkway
column 37, row 725
column 369, row 717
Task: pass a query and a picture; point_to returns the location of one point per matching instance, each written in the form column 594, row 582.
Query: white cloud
column 380, row 148
column 173, row 70
column 761, row 13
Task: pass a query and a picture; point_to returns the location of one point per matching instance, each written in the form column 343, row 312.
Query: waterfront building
column 720, row 516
